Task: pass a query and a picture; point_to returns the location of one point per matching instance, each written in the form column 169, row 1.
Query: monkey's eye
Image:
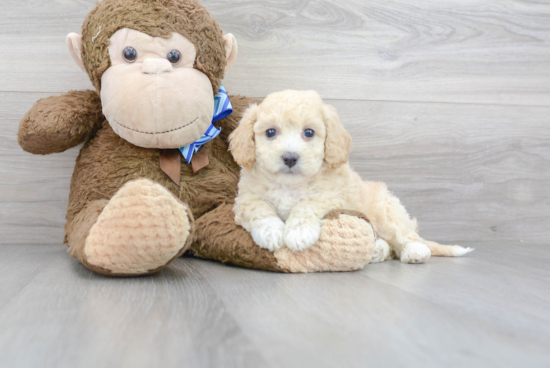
column 129, row 54
column 270, row 133
column 174, row 56
column 309, row 133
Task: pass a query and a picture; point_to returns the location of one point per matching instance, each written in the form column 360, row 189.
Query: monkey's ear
column 231, row 50
column 74, row 44
column 337, row 141
column 241, row 142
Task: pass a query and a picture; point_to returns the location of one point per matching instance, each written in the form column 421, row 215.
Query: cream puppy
column 293, row 152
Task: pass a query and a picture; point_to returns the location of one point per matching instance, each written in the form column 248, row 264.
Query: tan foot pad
column 346, row 244
column 142, row 228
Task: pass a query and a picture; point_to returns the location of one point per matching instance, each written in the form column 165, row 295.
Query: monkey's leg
column 346, row 244
column 140, row 230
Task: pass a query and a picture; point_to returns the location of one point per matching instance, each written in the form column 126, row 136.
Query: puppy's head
column 290, row 133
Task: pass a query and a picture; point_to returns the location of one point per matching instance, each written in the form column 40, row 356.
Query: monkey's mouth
column 155, row 133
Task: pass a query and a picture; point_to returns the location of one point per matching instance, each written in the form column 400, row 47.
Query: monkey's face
column 151, row 94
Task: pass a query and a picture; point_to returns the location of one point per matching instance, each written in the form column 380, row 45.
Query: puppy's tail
column 439, row 250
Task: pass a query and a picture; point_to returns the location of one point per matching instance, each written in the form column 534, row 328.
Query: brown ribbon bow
column 170, row 162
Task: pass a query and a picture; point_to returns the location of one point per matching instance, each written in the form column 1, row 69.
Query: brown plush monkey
column 156, row 66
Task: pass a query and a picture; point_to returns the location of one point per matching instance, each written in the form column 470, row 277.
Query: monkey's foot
column 141, row 229
column 346, row 243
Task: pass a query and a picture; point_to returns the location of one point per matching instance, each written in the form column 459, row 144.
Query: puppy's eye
column 129, row 54
column 309, row 133
column 270, row 133
column 174, row 56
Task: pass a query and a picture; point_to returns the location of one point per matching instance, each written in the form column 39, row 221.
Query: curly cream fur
column 283, row 206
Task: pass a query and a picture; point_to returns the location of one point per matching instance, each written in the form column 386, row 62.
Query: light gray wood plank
column 512, row 278
column 437, row 314
column 67, row 316
column 20, row 265
column 32, row 44
column 467, row 172
column 477, row 51
column 450, row 51
column 484, row 310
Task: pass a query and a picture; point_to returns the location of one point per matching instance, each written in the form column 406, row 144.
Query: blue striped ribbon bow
column 222, row 109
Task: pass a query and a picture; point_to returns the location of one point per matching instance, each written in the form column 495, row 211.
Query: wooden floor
column 448, row 101
column 490, row 309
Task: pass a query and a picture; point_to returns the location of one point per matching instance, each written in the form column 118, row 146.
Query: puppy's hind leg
column 415, row 252
column 394, row 225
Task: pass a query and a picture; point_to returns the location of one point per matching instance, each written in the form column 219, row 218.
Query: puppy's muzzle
column 290, row 159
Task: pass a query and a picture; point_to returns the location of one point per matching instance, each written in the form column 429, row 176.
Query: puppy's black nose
column 290, row 159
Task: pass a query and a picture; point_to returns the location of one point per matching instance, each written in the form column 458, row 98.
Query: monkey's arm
column 55, row 124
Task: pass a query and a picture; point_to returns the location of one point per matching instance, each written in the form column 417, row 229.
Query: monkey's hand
column 57, row 123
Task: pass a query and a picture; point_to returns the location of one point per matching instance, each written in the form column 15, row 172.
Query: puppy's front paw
column 268, row 233
column 415, row 252
column 301, row 234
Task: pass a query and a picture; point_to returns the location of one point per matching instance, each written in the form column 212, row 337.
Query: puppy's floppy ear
column 337, row 141
column 241, row 141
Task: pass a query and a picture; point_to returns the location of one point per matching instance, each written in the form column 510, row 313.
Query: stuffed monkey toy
column 154, row 178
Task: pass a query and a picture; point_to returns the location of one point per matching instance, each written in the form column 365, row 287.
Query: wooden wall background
column 448, row 102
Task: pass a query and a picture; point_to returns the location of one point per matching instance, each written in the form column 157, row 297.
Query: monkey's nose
column 290, row 158
column 156, row 66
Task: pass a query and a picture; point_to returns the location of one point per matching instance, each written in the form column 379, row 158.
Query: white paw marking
column 415, row 253
column 301, row 235
column 268, row 233
column 381, row 251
